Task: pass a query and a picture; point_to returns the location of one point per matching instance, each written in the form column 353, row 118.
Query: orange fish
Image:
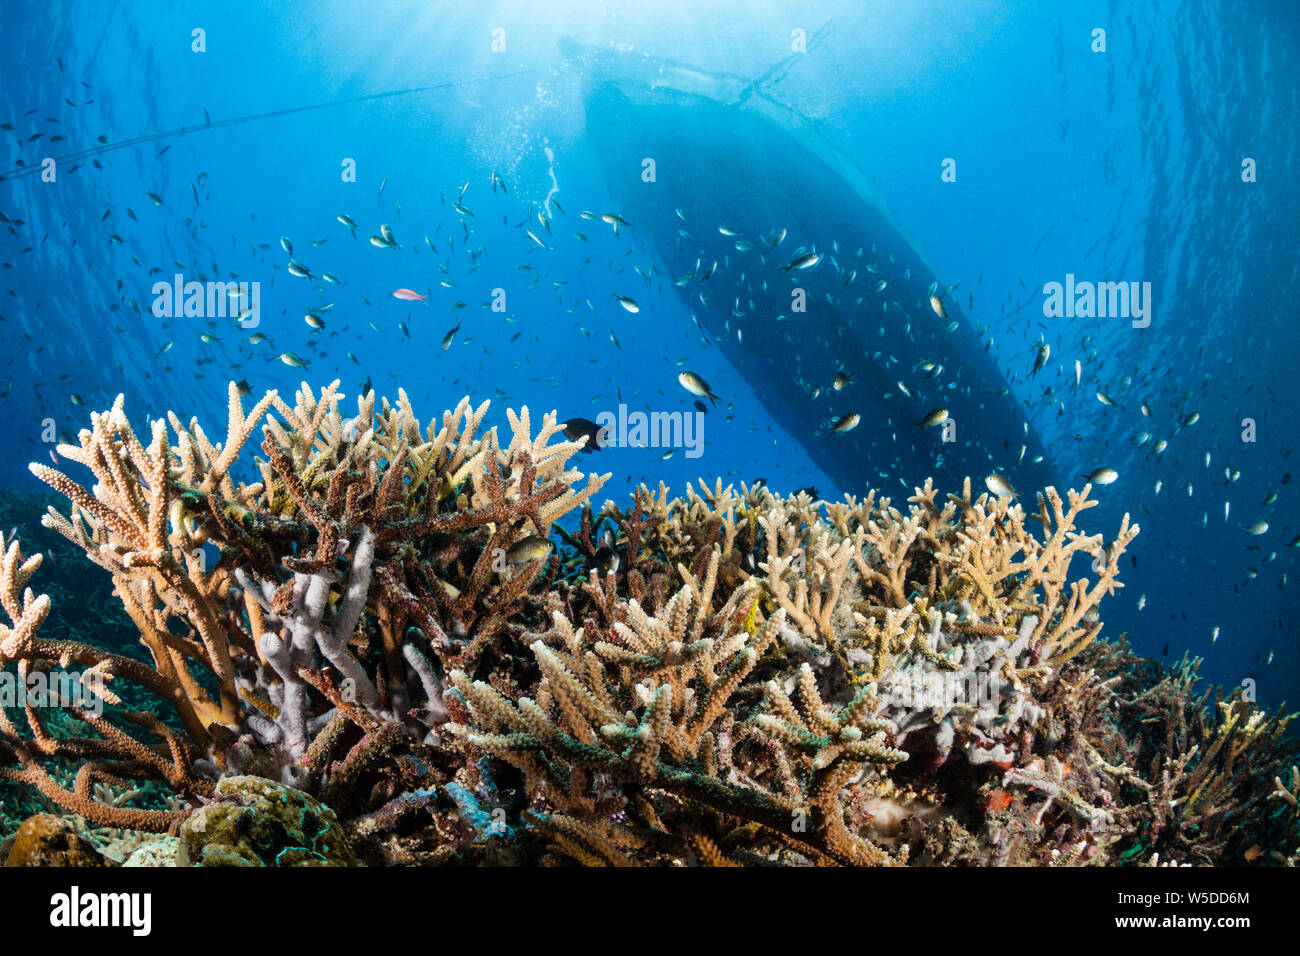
column 409, row 295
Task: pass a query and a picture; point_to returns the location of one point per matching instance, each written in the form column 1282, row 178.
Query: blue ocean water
column 1123, row 164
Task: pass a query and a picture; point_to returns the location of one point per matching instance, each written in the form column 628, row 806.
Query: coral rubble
column 370, row 614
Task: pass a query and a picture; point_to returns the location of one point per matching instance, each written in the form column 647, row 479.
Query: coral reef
column 371, row 614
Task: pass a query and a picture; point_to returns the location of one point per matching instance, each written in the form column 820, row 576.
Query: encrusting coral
column 729, row 677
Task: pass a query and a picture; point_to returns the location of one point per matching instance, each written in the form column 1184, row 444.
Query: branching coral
column 349, row 543
column 1193, row 778
column 728, row 677
column 650, row 706
column 107, row 752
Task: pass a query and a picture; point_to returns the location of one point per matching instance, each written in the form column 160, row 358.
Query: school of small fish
column 1149, row 422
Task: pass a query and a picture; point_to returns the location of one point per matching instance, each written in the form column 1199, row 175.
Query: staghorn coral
column 104, row 750
column 343, row 553
column 727, row 677
column 972, row 632
column 650, row 706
